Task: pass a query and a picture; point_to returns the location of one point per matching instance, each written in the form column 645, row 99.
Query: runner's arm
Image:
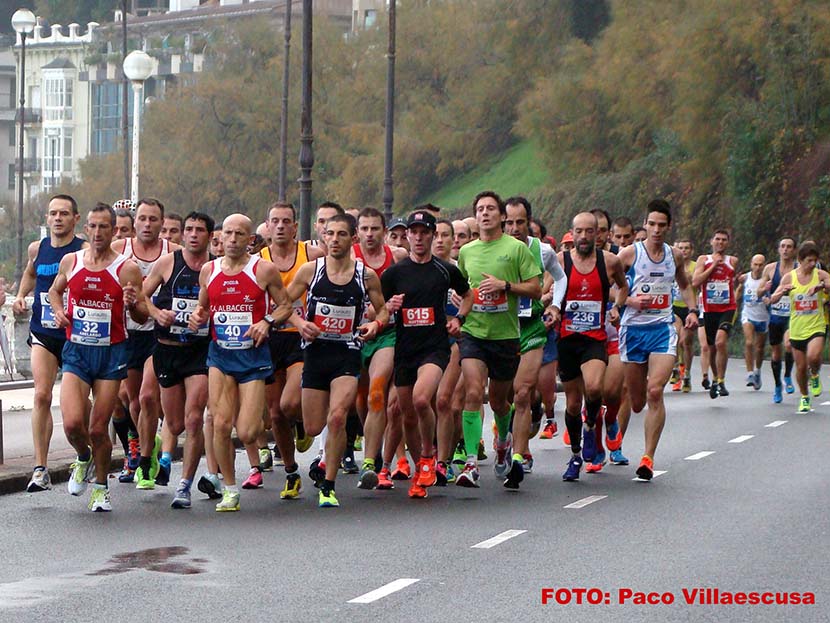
column 136, row 302
column 164, row 317
column 27, row 279
column 373, row 290
column 201, row 314
column 57, row 290
column 783, row 288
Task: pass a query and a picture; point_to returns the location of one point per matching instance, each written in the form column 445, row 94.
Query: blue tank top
column 46, row 265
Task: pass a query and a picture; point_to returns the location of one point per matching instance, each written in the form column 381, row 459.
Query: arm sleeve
column 528, row 268
column 560, row 280
column 458, row 282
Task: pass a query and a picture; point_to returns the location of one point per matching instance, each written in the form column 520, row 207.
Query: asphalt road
column 751, row 516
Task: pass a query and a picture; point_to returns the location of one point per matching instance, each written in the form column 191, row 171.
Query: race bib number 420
column 91, row 326
column 336, row 322
column 489, row 303
column 231, row 328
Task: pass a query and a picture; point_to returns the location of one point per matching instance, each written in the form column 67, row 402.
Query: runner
column 715, row 274
column 583, row 353
column 180, row 357
column 124, row 224
column 533, row 338
column 216, row 249
column 500, row 269
column 235, row 294
column 460, row 236
column 807, row 287
column 648, row 340
column 640, row 234
column 622, row 232
column 681, row 375
column 46, row 338
column 172, row 228
column 417, row 288
column 325, row 211
column 336, row 288
column 101, row 287
column 779, row 320
column 754, row 320
column 396, row 234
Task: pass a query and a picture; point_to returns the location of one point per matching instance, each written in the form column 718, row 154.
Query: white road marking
column 775, row 424
column 657, row 472
column 585, row 501
column 741, row 439
column 499, row 538
column 383, row 591
column 699, row 455
column 825, row 403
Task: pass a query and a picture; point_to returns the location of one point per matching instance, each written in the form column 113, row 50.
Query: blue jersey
column 46, row 264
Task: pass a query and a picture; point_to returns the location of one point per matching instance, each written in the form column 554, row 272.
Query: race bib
column 230, row 328
column 91, row 326
column 47, row 316
column 525, row 307
column 781, row 308
column 583, row 316
column 805, row 305
column 418, row 316
column 489, row 303
column 661, row 297
column 717, row 292
column 750, row 297
column 298, row 309
column 336, row 322
column 183, row 309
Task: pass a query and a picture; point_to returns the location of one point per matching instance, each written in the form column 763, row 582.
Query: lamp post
column 388, row 191
column 23, row 22
column 284, row 117
column 306, row 133
column 125, row 103
column 138, row 66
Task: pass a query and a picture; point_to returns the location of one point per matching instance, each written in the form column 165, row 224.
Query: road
column 752, row 515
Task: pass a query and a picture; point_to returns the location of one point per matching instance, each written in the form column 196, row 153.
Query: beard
column 585, row 250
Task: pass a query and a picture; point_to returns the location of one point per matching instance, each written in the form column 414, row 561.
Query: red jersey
column 387, row 261
column 96, row 310
column 719, row 289
column 237, row 302
column 583, row 308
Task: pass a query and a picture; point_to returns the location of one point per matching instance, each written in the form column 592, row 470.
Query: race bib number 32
column 91, row 326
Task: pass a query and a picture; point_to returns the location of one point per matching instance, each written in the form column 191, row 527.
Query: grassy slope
column 520, row 170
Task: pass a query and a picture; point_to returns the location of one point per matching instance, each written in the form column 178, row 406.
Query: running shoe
column 613, row 438
column 677, row 385
column 788, row 384
column 402, row 470
column 450, row 474
column 713, row 390
column 566, row 437
column 154, row 458
column 358, row 443
column 705, row 382
column 675, row 375
column 82, row 471
column 384, row 480
column 440, row 474
column 804, row 405
column 182, row 497
column 757, row 382
column 302, row 441
column 293, row 484
column 368, row 478
column 527, row 463
column 777, row 398
column 459, row 457
column 574, row 467
column 646, row 469
column 127, row 475
column 469, row 477
column 482, row 456
column 815, row 385
column 687, row 385
column 163, row 477
column 266, row 460
column 209, row 485
column 597, row 464
column 254, row 479
column 549, row 431
column 618, row 458
column 349, row 465
column 589, row 444
column 426, row 473
column 99, row 499
column 416, row 490
column 514, row 476
column 722, row 391
column 504, row 452
column 317, row 471
column 134, row 454
column 40, row 480
column 278, row 462
column 750, row 379
column 229, row 503
column 327, row 499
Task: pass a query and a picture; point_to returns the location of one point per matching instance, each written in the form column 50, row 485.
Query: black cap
column 421, row 217
column 397, row 222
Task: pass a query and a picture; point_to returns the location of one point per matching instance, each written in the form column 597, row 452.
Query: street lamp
column 138, row 66
column 388, row 190
column 306, row 132
column 23, row 22
column 284, row 116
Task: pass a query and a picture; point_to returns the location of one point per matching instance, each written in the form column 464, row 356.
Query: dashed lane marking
column 699, row 455
column 585, row 501
column 741, row 439
column 775, row 424
column 499, row 538
column 383, row 591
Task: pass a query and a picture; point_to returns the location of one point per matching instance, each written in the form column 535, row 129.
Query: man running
column 648, row 339
column 172, row 228
column 325, row 211
column 46, row 338
column 336, row 287
column 807, row 287
column 583, row 354
column 180, row 357
column 124, row 224
column 236, row 293
column 754, row 320
column 779, row 319
column 500, row 269
column 101, row 286
column 681, row 376
column 460, row 236
column 622, row 232
column 715, row 274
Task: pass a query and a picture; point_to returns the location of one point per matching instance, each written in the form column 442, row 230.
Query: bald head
column 757, row 265
column 236, row 235
column 585, row 233
column 473, row 226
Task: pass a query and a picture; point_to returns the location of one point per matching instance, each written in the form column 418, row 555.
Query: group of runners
column 385, row 335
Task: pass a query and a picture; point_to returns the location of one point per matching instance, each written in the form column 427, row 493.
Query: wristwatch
column 507, row 287
column 269, row 319
column 461, row 318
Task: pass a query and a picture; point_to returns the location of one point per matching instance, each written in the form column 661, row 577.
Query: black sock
column 352, row 431
column 592, row 408
column 292, row 469
column 776, row 372
column 300, row 428
column 327, row 486
column 144, row 464
column 574, row 426
column 85, row 456
column 122, row 429
column 788, row 364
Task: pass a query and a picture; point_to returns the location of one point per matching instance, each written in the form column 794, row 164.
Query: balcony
column 33, row 116
column 30, row 165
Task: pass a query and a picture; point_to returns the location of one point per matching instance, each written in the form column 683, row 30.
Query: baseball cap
column 397, row 222
column 421, row 217
column 568, row 237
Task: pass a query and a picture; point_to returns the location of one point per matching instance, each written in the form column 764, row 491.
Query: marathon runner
column 681, row 375
column 754, row 320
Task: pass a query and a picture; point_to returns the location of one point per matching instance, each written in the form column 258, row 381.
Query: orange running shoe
column 426, row 472
column 646, row 469
column 566, row 438
column 416, row 490
column 549, row 431
column 676, row 387
column 402, row 471
column 384, row 481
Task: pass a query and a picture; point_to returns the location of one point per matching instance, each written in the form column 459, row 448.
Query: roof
column 60, row 62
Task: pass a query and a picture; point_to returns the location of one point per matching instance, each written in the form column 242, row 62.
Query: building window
column 57, row 155
column 58, row 99
column 12, row 173
column 106, row 116
column 371, row 18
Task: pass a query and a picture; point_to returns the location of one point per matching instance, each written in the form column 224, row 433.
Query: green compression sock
column 471, row 424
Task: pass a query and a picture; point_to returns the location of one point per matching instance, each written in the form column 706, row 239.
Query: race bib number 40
column 336, row 322
column 583, row 316
column 91, row 326
column 489, row 303
column 418, row 316
column 183, row 309
column 230, row 329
